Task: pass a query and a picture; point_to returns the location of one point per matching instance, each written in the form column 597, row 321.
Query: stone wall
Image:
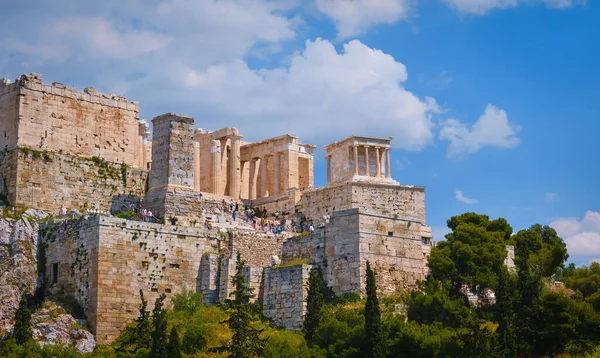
column 285, row 291
column 8, row 174
column 58, row 118
column 9, row 109
column 105, row 261
column 47, row 181
column 396, row 201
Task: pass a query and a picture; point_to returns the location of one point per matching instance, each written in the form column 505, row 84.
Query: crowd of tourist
column 142, row 213
column 260, row 222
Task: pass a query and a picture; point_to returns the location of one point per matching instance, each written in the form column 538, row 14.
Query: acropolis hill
column 64, row 150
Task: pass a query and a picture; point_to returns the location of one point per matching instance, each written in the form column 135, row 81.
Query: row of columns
column 378, row 161
column 262, row 163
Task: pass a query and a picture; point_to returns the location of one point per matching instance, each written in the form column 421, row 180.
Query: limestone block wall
column 72, row 261
column 396, row 201
column 128, row 256
column 396, row 252
column 208, row 279
column 47, row 181
column 9, row 109
column 8, row 174
column 307, row 247
column 58, row 118
column 253, row 276
column 284, row 203
column 285, row 291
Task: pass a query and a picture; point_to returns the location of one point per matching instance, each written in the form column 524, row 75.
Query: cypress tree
column 374, row 340
column 314, row 303
column 22, row 330
column 143, row 331
column 245, row 341
column 159, row 335
column 506, row 297
column 174, row 349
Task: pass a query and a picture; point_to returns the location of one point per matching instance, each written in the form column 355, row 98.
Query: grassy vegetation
column 294, row 262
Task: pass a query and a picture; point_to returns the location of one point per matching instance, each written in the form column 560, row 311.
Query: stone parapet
column 285, row 291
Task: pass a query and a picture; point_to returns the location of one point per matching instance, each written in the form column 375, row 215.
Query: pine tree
column 314, row 303
column 22, row 329
column 245, row 341
column 159, row 335
column 506, row 297
column 374, row 339
column 174, row 349
column 143, row 331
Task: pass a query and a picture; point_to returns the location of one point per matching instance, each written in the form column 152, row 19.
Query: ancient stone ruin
column 66, row 151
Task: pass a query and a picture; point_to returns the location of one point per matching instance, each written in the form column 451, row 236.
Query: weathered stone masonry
column 104, row 262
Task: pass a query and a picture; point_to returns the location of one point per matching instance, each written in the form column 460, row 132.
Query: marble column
column 367, row 160
column 196, row 166
column 388, row 172
column 264, row 177
column 355, row 159
column 328, row 170
column 216, row 165
column 276, row 173
column 252, row 179
column 377, row 163
column 234, row 167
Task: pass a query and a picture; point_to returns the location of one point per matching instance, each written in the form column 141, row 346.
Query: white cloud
column 582, row 236
column 354, row 17
column 463, row 199
column 481, row 7
column 492, row 129
column 190, row 57
column 550, row 197
column 321, row 95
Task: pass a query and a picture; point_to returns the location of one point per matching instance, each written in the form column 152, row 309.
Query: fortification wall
column 105, row 261
column 72, row 261
column 396, row 201
column 285, row 291
column 395, row 250
column 47, row 181
column 9, row 109
column 8, row 175
column 58, row 118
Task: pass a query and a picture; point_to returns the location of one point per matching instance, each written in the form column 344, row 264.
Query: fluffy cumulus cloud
column 582, row 236
column 480, row 7
column 492, row 129
column 192, row 57
column 460, row 196
column 353, row 17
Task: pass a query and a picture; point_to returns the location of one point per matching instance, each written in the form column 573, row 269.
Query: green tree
column 374, row 338
column 473, row 253
column 314, row 303
column 159, row 335
column 143, row 331
column 22, row 329
column 173, row 349
column 504, row 310
column 245, row 341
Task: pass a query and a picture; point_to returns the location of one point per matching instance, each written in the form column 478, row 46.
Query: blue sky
column 493, row 104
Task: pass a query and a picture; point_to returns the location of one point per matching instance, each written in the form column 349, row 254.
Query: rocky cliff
column 18, row 274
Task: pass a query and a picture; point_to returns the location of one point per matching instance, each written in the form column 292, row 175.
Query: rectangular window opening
column 54, row 273
column 390, row 233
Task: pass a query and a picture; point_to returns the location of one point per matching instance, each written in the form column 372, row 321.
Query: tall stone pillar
column 276, row 173
column 377, row 163
column 234, row 167
column 328, row 170
column 355, row 159
column 196, row 166
column 252, row 180
column 215, row 149
column 264, row 177
column 172, row 151
column 367, row 160
column 388, row 171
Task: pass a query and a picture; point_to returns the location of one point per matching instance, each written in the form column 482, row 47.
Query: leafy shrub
column 187, row 301
column 127, row 215
column 69, row 303
column 194, row 340
column 347, row 298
